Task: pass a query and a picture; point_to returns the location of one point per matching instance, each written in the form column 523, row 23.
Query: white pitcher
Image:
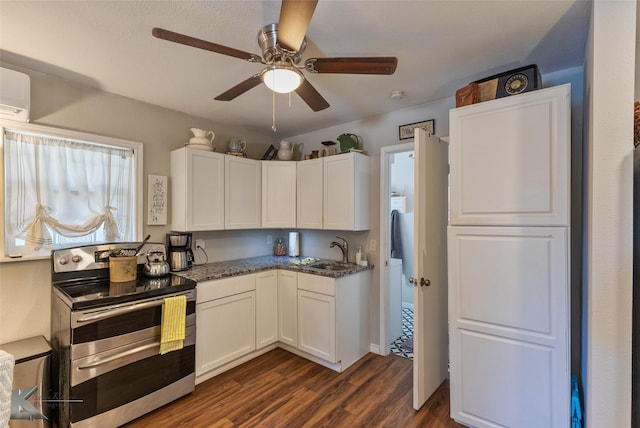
column 202, row 137
column 285, row 152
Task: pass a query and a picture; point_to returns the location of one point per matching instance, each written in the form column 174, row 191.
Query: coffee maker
column 179, row 250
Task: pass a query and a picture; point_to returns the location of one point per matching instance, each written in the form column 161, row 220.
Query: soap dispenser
column 359, row 255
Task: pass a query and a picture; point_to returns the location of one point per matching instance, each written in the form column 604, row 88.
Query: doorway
column 401, row 229
column 396, row 248
column 429, row 276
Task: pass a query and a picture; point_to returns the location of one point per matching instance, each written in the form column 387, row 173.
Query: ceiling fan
column 282, row 46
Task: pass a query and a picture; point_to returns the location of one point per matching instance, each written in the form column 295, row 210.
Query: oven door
column 115, row 396
column 116, row 371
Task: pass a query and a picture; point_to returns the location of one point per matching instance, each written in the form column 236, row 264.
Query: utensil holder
column 123, row 268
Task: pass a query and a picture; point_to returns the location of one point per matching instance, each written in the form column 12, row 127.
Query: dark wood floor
column 279, row 389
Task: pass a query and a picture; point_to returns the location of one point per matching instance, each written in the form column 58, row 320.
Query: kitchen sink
column 334, row 266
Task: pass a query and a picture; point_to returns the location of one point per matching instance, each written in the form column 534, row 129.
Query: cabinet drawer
column 317, row 284
column 216, row 289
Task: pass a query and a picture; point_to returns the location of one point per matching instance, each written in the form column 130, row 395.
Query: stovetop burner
column 99, row 292
column 81, row 276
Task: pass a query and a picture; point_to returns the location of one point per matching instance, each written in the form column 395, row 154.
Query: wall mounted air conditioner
column 15, row 95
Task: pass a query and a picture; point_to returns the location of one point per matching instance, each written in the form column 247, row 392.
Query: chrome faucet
column 344, row 247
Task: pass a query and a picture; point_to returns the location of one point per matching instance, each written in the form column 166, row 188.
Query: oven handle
column 112, row 312
column 101, row 361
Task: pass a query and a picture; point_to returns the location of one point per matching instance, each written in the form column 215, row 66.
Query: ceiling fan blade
column 295, row 16
column 171, row 36
column 312, row 97
column 240, row 88
column 353, row 65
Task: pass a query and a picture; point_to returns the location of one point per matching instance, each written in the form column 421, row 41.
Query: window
column 64, row 188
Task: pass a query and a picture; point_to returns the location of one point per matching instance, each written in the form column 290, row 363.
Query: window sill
column 23, row 259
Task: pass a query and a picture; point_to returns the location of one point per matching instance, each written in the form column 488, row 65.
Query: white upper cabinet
column 309, row 194
column 278, row 194
column 510, row 160
column 243, row 188
column 346, row 192
column 197, row 190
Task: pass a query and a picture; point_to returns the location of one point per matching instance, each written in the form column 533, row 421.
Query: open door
column 430, row 335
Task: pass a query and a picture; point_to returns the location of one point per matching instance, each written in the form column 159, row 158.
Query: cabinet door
column 510, row 160
column 243, row 188
column 226, row 330
column 266, row 308
column 509, row 326
column 317, row 325
column 309, row 194
column 197, row 190
column 346, row 192
column 278, row 194
column 288, row 307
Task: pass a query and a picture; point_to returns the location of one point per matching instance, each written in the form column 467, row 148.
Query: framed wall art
column 407, row 131
column 157, row 200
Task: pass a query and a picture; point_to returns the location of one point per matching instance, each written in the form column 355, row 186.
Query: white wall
column 25, row 287
column 609, row 83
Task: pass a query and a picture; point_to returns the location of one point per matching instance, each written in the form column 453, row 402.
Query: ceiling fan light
column 281, row 79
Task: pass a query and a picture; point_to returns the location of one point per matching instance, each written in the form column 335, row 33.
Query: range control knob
column 76, row 258
column 63, row 260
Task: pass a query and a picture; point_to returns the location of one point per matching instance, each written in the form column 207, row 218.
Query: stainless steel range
column 106, row 338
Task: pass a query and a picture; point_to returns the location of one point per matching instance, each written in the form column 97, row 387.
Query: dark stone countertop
column 225, row 269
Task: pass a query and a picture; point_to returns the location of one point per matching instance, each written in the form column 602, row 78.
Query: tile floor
column 403, row 346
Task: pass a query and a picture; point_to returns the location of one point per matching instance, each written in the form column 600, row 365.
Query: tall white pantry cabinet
column 508, row 248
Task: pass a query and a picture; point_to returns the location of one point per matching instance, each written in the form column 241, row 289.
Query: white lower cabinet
column 333, row 317
column 317, row 324
column 226, row 323
column 320, row 318
column 509, row 326
column 288, row 307
column 266, row 308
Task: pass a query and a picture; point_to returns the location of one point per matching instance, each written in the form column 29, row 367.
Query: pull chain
column 273, row 110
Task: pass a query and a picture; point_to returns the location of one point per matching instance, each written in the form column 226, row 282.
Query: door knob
column 423, row 282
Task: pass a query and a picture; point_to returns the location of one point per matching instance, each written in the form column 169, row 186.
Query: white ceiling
column 441, row 46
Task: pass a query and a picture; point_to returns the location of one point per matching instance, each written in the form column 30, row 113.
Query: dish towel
column 6, row 383
column 173, row 328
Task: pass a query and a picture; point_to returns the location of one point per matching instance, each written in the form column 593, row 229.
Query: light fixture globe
column 281, row 78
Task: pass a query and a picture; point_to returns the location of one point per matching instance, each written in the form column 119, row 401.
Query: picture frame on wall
column 407, row 131
column 157, row 190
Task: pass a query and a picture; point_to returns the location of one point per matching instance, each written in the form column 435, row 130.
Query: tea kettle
column 237, row 146
column 156, row 265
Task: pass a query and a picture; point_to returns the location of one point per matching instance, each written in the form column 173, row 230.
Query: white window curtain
column 57, row 188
